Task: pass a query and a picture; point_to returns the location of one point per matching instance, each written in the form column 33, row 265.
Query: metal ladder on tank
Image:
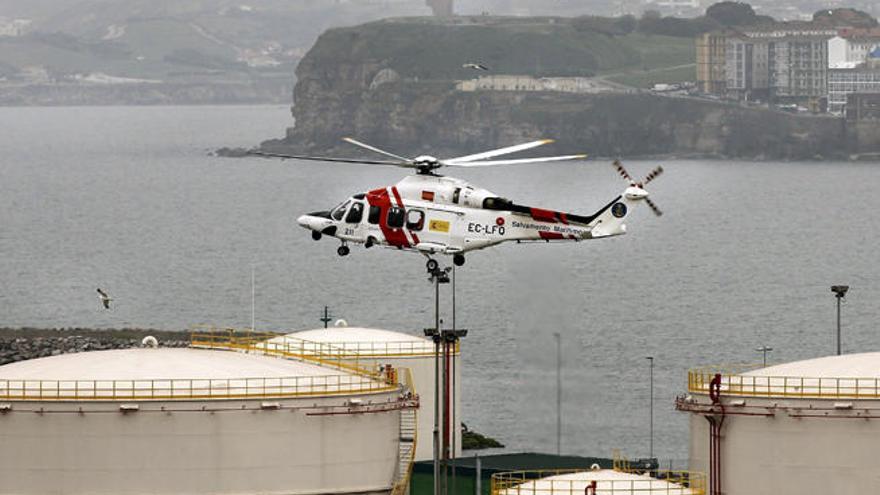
column 408, row 435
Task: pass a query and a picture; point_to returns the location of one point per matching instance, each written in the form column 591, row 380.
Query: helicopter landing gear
column 432, row 265
column 370, row 242
column 343, row 250
column 458, row 259
column 316, row 235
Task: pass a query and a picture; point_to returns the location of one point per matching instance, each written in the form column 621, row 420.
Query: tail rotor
column 636, row 189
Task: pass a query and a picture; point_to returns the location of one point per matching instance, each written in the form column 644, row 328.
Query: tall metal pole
column 764, row 349
column 436, row 385
column 253, row 300
column 651, row 409
column 839, row 292
column 326, row 318
column 838, row 324
column 558, row 393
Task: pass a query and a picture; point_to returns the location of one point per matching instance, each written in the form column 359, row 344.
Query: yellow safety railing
column 403, row 479
column 341, row 350
column 185, row 389
column 535, row 483
column 734, row 382
column 280, row 346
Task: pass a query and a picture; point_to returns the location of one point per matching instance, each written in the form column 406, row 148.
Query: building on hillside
column 844, row 82
column 14, row 27
column 780, row 63
column 851, row 47
column 441, row 8
column 711, row 71
column 746, row 69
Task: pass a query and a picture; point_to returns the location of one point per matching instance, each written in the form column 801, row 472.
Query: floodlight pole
column 558, row 338
column 651, row 409
column 839, row 292
column 764, row 349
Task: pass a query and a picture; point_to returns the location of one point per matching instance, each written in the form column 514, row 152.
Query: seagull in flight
column 475, row 66
column 104, row 298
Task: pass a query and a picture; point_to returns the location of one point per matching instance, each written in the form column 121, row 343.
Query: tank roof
column 364, row 341
column 159, row 364
column 863, row 365
column 607, row 481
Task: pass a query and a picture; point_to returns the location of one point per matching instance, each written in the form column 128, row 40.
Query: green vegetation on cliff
column 426, row 49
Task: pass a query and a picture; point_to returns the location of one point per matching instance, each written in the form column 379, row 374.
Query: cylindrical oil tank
column 597, row 482
column 371, row 347
column 170, row 421
column 804, row 427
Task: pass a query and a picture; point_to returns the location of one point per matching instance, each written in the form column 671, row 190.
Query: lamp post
column 326, row 317
column 764, row 349
column 839, row 292
column 651, row 408
column 558, row 338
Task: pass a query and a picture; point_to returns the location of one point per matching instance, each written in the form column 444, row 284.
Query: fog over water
column 128, row 199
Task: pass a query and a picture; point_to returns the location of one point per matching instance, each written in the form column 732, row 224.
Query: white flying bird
column 104, row 298
column 472, row 65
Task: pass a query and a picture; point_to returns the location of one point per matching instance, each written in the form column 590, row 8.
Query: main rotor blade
column 653, row 175
column 622, row 171
column 489, row 163
column 654, row 207
column 498, row 152
column 331, row 159
column 375, row 149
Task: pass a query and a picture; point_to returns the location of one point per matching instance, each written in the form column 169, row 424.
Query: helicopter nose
column 303, row 221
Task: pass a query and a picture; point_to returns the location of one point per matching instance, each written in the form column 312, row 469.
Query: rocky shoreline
column 19, row 344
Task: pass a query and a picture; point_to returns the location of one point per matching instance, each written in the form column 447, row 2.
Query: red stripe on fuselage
column 550, row 235
column 543, row 215
column 562, row 217
column 393, row 236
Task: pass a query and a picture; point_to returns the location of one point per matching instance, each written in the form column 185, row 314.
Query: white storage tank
column 170, row 421
column 804, row 427
column 596, row 481
column 371, row 347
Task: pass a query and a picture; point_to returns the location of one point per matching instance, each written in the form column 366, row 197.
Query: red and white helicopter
column 433, row 214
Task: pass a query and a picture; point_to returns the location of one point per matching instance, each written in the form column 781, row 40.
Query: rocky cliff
column 343, row 91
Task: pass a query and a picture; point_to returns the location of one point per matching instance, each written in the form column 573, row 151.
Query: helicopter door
column 352, row 229
column 441, row 227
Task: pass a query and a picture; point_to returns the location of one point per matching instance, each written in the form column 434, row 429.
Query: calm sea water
column 129, row 200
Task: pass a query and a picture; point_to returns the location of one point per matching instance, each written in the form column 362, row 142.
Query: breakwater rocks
column 30, row 343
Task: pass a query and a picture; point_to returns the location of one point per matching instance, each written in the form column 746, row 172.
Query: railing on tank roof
column 532, row 482
column 188, row 389
column 734, row 382
column 279, row 345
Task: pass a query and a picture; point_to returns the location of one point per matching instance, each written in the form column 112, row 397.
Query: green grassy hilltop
column 427, row 49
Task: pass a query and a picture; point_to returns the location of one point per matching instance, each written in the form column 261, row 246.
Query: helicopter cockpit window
column 415, row 219
column 355, row 213
column 375, row 213
column 339, row 211
column 395, row 217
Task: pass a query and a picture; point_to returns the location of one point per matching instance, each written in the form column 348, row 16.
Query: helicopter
column 437, row 215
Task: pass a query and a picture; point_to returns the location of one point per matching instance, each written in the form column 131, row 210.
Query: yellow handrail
column 534, row 482
column 734, row 382
column 187, row 389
